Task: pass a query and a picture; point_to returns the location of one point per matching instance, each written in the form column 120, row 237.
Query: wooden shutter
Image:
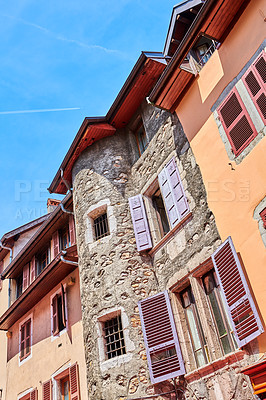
column 55, row 326
column 236, row 122
column 74, row 382
column 255, row 82
column 55, row 244
column 22, row 341
column 63, row 305
column 1, row 270
column 173, row 193
column 140, row 223
column 72, row 232
column 241, row 308
column 32, row 270
column 34, row 394
column 47, row 390
column 26, row 276
column 160, row 338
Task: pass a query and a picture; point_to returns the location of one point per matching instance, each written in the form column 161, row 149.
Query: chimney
column 52, row 204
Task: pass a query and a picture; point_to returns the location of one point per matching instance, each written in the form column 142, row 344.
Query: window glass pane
column 217, row 314
column 193, row 329
column 66, row 390
column 200, row 358
column 158, row 204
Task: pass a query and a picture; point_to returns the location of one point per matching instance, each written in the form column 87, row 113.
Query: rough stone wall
column 114, row 276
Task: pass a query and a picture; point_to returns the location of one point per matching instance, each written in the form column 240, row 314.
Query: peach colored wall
column 48, row 354
column 232, row 210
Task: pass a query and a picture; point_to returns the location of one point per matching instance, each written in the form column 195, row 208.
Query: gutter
column 7, row 248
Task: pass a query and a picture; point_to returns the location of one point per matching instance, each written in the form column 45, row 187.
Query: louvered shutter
column 47, row 390
column 63, row 305
column 74, row 382
column 140, row 223
column 55, row 244
column 25, row 282
column 241, row 308
column 1, row 270
column 236, row 122
column 173, row 193
column 255, row 82
column 160, row 338
column 34, row 394
column 55, row 327
column 72, row 232
column 32, row 270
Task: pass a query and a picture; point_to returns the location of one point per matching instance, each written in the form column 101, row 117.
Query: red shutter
column 236, row 122
column 63, row 305
column 32, row 270
column 263, row 217
column 241, row 308
column 55, row 244
column 255, row 82
column 72, row 232
column 55, row 328
column 26, row 276
column 74, row 382
column 47, row 390
column 173, row 193
column 140, row 223
column 160, row 338
column 34, row 394
column 22, row 341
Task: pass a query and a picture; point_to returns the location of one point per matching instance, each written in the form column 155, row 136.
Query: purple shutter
column 160, row 338
column 241, row 308
column 255, row 82
column 173, row 193
column 140, row 223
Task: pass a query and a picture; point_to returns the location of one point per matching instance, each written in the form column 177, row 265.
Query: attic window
column 199, row 55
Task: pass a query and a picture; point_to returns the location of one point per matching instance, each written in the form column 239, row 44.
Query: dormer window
column 199, row 55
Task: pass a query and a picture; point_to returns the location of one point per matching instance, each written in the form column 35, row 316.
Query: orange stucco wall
column 48, row 354
column 232, row 194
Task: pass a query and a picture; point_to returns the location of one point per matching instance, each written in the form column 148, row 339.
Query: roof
column 136, row 88
column 215, row 19
column 182, row 17
column 9, row 236
column 39, row 237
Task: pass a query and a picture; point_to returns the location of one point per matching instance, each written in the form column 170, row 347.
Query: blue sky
column 59, row 54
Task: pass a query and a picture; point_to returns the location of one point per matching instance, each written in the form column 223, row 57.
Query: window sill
column 215, row 365
column 170, row 234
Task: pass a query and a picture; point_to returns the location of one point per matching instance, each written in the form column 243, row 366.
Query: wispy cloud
column 59, row 36
column 38, row 111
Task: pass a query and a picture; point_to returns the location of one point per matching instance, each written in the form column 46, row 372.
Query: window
column 221, row 274
column 43, row 259
column 32, row 395
column 19, row 281
column 114, row 337
column 223, row 328
column 263, row 217
column 194, row 326
column 141, row 138
column 169, row 206
column 65, row 238
column 64, row 385
column 101, row 228
column 25, row 339
column 58, row 312
column 65, row 388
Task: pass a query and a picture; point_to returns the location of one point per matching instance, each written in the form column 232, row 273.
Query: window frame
column 102, row 223
column 23, row 324
column 39, row 256
column 54, row 316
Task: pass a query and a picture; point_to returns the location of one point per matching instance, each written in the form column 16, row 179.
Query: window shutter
column 140, row 223
column 22, row 341
column 74, row 382
column 1, row 270
column 26, row 277
column 241, row 308
column 55, row 246
column 32, row 270
column 255, row 82
column 236, row 122
column 34, row 394
column 72, row 232
column 55, row 316
column 160, row 338
column 63, row 305
column 47, row 390
column 173, row 193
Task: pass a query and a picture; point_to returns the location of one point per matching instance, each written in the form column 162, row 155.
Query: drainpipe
column 65, row 182
column 67, row 261
column 64, row 210
column 7, row 248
